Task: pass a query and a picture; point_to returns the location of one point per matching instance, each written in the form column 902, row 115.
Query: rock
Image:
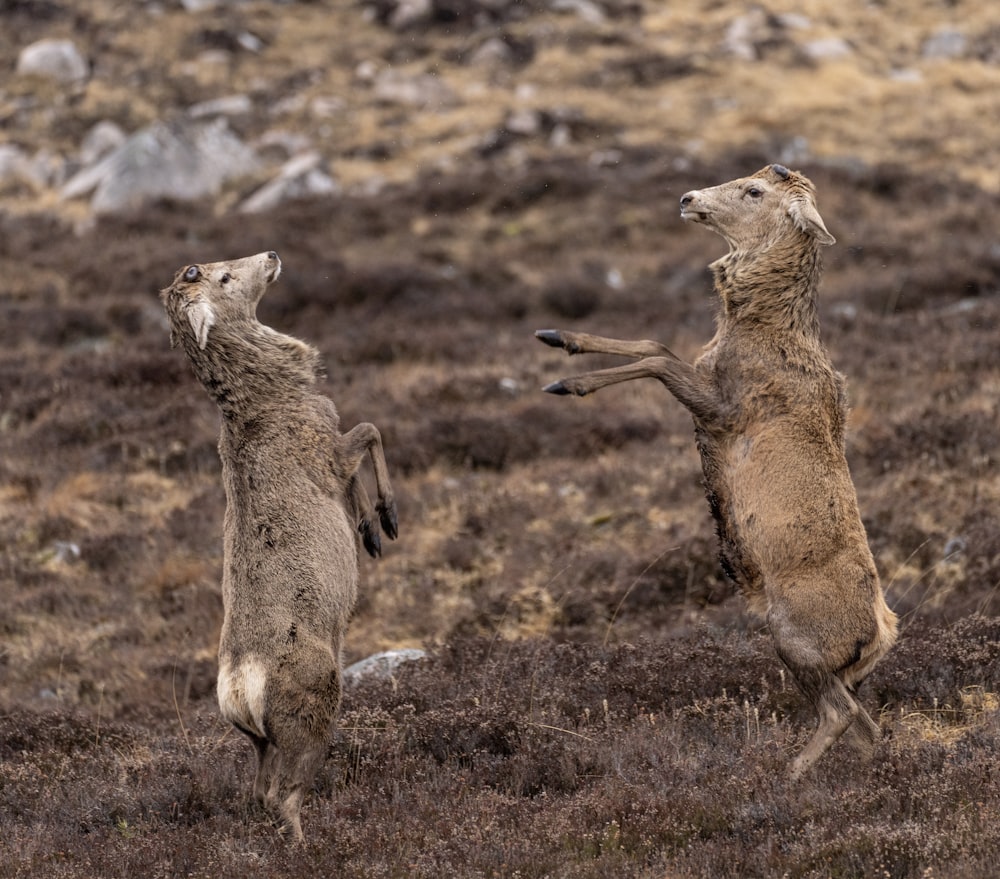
column 744, row 34
column 828, row 49
column 524, row 122
column 493, row 51
column 410, row 12
column 585, row 9
column 53, row 59
column 300, row 177
column 13, row 163
column 231, row 105
column 945, row 43
column 104, row 137
column 425, row 91
column 39, row 171
column 181, row 160
column 380, row 665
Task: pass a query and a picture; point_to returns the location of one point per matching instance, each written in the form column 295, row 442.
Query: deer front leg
column 364, row 514
column 366, row 438
column 680, row 378
column 584, row 343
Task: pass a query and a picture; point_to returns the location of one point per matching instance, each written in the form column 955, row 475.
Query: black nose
column 272, row 254
column 686, row 200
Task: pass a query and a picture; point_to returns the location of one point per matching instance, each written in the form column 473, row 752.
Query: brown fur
column 769, row 412
column 293, row 500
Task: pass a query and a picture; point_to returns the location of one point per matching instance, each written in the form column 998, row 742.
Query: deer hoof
column 370, row 538
column 549, row 337
column 557, row 388
column 387, row 516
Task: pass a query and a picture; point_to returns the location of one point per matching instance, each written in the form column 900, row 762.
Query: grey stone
column 300, row 177
column 381, row 665
column 425, row 91
column 102, row 138
column 945, row 43
column 183, row 161
column 53, row 59
column 230, row 105
column 828, row 49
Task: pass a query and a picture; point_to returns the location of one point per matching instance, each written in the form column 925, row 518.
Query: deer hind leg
column 302, row 715
column 266, row 758
column 864, row 734
column 299, row 773
column 837, row 709
column 365, row 438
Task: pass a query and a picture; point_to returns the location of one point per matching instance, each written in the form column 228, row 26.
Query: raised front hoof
column 561, row 390
column 550, row 337
column 370, row 538
column 555, row 339
column 387, row 516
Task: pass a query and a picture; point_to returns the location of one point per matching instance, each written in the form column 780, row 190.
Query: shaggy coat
column 290, row 534
column 769, row 412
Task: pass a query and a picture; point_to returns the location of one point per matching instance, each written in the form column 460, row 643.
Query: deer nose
column 686, row 199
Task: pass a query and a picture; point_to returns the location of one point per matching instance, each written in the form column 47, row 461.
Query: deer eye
column 226, row 278
column 755, row 192
column 192, row 273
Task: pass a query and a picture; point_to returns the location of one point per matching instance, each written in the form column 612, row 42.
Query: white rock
column 53, row 59
column 230, row 105
column 828, row 49
column 945, row 43
column 13, row 162
column 744, row 33
column 408, row 12
column 183, row 161
column 523, row 121
column 585, row 9
column 300, row 177
column 380, row 665
column 423, row 90
column 102, row 138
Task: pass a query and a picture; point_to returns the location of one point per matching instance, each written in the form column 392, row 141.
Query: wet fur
column 294, row 509
column 769, row 412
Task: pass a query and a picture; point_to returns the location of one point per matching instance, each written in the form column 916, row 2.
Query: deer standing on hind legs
column 769, row 412
column 296, row 511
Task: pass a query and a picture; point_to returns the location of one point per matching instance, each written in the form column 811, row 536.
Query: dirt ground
column 556, row 556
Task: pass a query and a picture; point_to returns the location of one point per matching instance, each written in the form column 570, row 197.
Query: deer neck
column 250, row 366
column 775, row 287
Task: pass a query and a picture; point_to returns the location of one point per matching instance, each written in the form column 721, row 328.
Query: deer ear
column 201, row 317
column 804, row 214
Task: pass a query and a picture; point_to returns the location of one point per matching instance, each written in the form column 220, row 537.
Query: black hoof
column 550, row 337
column 370, row 538
column 387, row 516
column 557, row 388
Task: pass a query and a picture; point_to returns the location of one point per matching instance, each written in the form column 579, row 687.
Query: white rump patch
column 202, row 318
column 241, row 694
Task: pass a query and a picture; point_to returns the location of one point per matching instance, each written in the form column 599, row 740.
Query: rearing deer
column 769, row 412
